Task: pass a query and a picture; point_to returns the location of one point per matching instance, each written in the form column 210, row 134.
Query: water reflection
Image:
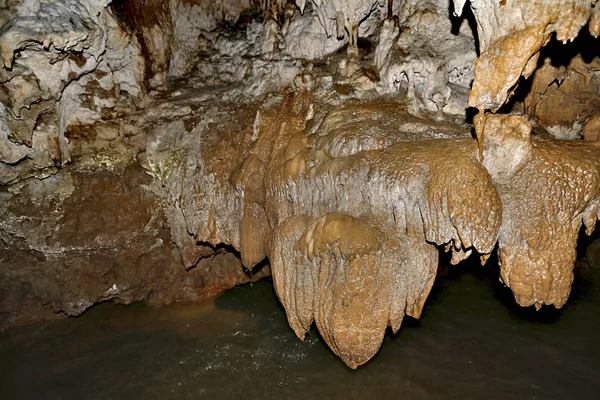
column 472, row 342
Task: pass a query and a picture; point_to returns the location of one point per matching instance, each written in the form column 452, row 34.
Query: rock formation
column 168, row 150
column 519, row 29
column 564, row 91
column 511, row 35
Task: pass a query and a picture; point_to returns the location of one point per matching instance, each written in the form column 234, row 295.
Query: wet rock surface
column 511, row 35
column 80, row 238
column 358, row 254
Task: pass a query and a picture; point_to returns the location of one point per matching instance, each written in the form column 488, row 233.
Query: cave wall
column 79, row 238
column 164, row 150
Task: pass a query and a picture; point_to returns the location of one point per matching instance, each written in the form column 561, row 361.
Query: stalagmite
column 346, row 15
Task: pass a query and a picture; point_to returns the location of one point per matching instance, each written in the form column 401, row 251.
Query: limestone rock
column 64, row 63
column 538, row 236
column 565, row 98
column 417, row 55
column 83, row 237
column 511, row 34
column 343, row 17
column 325, row 267
column 356, row 254
column 591, row 132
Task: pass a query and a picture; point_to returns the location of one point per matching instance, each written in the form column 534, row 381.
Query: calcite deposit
column 168, row 150
column 511, row 34
column 564, row 98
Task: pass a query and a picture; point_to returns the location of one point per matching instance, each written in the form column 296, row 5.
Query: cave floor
column 473, row 341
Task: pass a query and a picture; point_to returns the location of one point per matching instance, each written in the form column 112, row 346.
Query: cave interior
column 351, row 152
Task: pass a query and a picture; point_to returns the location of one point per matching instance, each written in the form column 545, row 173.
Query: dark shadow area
column 489, row 275
column 221, row 248
column 515, row 101
column 467, row 14
column 470, row 113
column 218, row 249
column 257, row 268
column 365, row 44
column 585, row 241
column 561, row 54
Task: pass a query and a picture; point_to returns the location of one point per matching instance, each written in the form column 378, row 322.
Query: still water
column 472, row 342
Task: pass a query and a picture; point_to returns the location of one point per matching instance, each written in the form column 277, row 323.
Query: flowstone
column 349, row 202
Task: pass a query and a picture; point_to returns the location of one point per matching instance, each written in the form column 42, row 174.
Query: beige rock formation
column 541, row 213
column 565, row 98
column 358, row 253
column 538, row 236
column 511, row 34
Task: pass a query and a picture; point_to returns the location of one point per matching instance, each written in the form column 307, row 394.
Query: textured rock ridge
column 54, row 55
column 352, row 212
column 564, row 97
column 538, row 237
column 537, row 240
column 363, row 260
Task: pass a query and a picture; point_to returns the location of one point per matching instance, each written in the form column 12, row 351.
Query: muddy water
column 472, row 342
